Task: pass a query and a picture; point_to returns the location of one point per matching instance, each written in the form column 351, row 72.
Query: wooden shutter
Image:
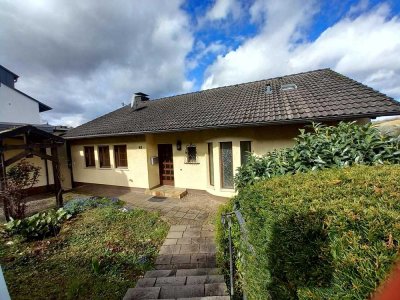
column 104, row 157
column 120, row 155
column 89, row 156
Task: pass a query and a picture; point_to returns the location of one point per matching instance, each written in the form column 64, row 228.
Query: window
column 211, row 163
column 104, row 157
column 191, row 154
column 245, row 151
column 89, row 156
column 121, row 159
column 226, row 165
column 288, row 87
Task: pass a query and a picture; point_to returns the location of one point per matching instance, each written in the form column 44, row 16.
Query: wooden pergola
column 35, row 142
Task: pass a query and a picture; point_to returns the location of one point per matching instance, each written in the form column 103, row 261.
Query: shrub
column 39, row 225
column 323, row 147
column 331, row 234
column 78, row 205
column 20, row 177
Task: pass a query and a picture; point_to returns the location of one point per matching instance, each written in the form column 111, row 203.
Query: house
column 197, row 140
column 18, row 111
column 16, row 106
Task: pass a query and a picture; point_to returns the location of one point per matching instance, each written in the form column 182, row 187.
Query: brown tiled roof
column 321, row 95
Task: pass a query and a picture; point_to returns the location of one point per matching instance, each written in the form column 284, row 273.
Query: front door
column 166, row 164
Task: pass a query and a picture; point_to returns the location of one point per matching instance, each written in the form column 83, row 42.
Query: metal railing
column 226, row 220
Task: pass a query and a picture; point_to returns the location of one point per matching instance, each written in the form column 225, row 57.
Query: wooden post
column 57, row 176
column 3, row 182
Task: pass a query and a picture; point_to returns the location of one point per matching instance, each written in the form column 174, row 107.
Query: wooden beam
column 29, row 129
column 15, row 158
column 57, row 177
column 44, row 156
column 26, row 147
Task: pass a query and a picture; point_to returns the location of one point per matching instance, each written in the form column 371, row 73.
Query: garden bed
column 98, row 254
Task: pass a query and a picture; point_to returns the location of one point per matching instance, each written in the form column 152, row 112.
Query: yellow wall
column 196, row 176
column 140, row 173
column 37, row 161
column 135, row 175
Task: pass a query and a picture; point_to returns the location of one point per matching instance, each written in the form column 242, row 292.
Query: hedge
column 322, row 147
column 330, row 234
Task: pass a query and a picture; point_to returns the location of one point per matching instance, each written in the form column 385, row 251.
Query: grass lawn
column 97, row 255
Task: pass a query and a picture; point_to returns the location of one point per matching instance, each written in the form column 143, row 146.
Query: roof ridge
column 243, row 83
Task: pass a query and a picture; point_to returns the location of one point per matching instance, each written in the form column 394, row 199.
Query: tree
column 19, row 178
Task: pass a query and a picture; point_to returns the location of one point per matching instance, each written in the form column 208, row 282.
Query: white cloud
column 364, row 47
column 84, row 58
column 202, row 51
column 222, row 9
column 282, row 25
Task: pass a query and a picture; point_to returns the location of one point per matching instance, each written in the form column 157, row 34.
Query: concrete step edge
column 182, row 272
column 179, row 280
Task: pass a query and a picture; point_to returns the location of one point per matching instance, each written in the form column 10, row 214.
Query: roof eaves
column 15, row 75
column 279, row 122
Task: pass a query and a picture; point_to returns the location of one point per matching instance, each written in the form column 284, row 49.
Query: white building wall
column 17, row 108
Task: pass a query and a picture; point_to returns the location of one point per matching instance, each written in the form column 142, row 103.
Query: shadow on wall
column 300, row 248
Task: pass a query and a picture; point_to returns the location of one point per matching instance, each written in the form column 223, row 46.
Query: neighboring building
column 197, row 140
column 19, row 109
column 16, row 106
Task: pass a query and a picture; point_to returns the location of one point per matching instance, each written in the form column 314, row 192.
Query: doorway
column 166, row 164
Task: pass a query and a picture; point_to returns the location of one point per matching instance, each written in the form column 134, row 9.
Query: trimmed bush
column 79, row 205
column 323, row 147
column 331, row 234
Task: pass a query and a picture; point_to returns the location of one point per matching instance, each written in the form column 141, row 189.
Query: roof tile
column 320, row 95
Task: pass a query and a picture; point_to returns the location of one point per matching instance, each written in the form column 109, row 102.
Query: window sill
column 122, row 168
column 192, row 163
column 105, row 168
column 92, row 168
column 227, row 189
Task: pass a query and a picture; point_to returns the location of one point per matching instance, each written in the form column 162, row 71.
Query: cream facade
column 143, row 171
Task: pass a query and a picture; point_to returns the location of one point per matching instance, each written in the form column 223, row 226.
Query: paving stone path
column 185, row 268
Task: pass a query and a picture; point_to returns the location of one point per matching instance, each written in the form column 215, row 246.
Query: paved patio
column 196, row 208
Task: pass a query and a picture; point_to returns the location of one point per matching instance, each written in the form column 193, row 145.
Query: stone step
column 186, row 261
column 186, row 266
column 180, row 280
column 166, row 191
column 142, row 293
column 171, row 291
column 194, row 290
column 182, row 272
column 198, row 272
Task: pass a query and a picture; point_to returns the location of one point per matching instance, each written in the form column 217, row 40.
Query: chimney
column 138, row 99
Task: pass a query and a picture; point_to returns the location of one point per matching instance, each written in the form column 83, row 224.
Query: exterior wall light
column 179, row 145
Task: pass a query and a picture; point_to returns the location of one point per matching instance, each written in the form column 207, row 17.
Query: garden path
column 185, row 268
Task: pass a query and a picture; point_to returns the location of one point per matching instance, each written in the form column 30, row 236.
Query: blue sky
column 231, row 32
column 85, row 58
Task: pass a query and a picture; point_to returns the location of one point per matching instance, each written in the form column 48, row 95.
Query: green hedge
column 331, row 234
column 323, row 147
